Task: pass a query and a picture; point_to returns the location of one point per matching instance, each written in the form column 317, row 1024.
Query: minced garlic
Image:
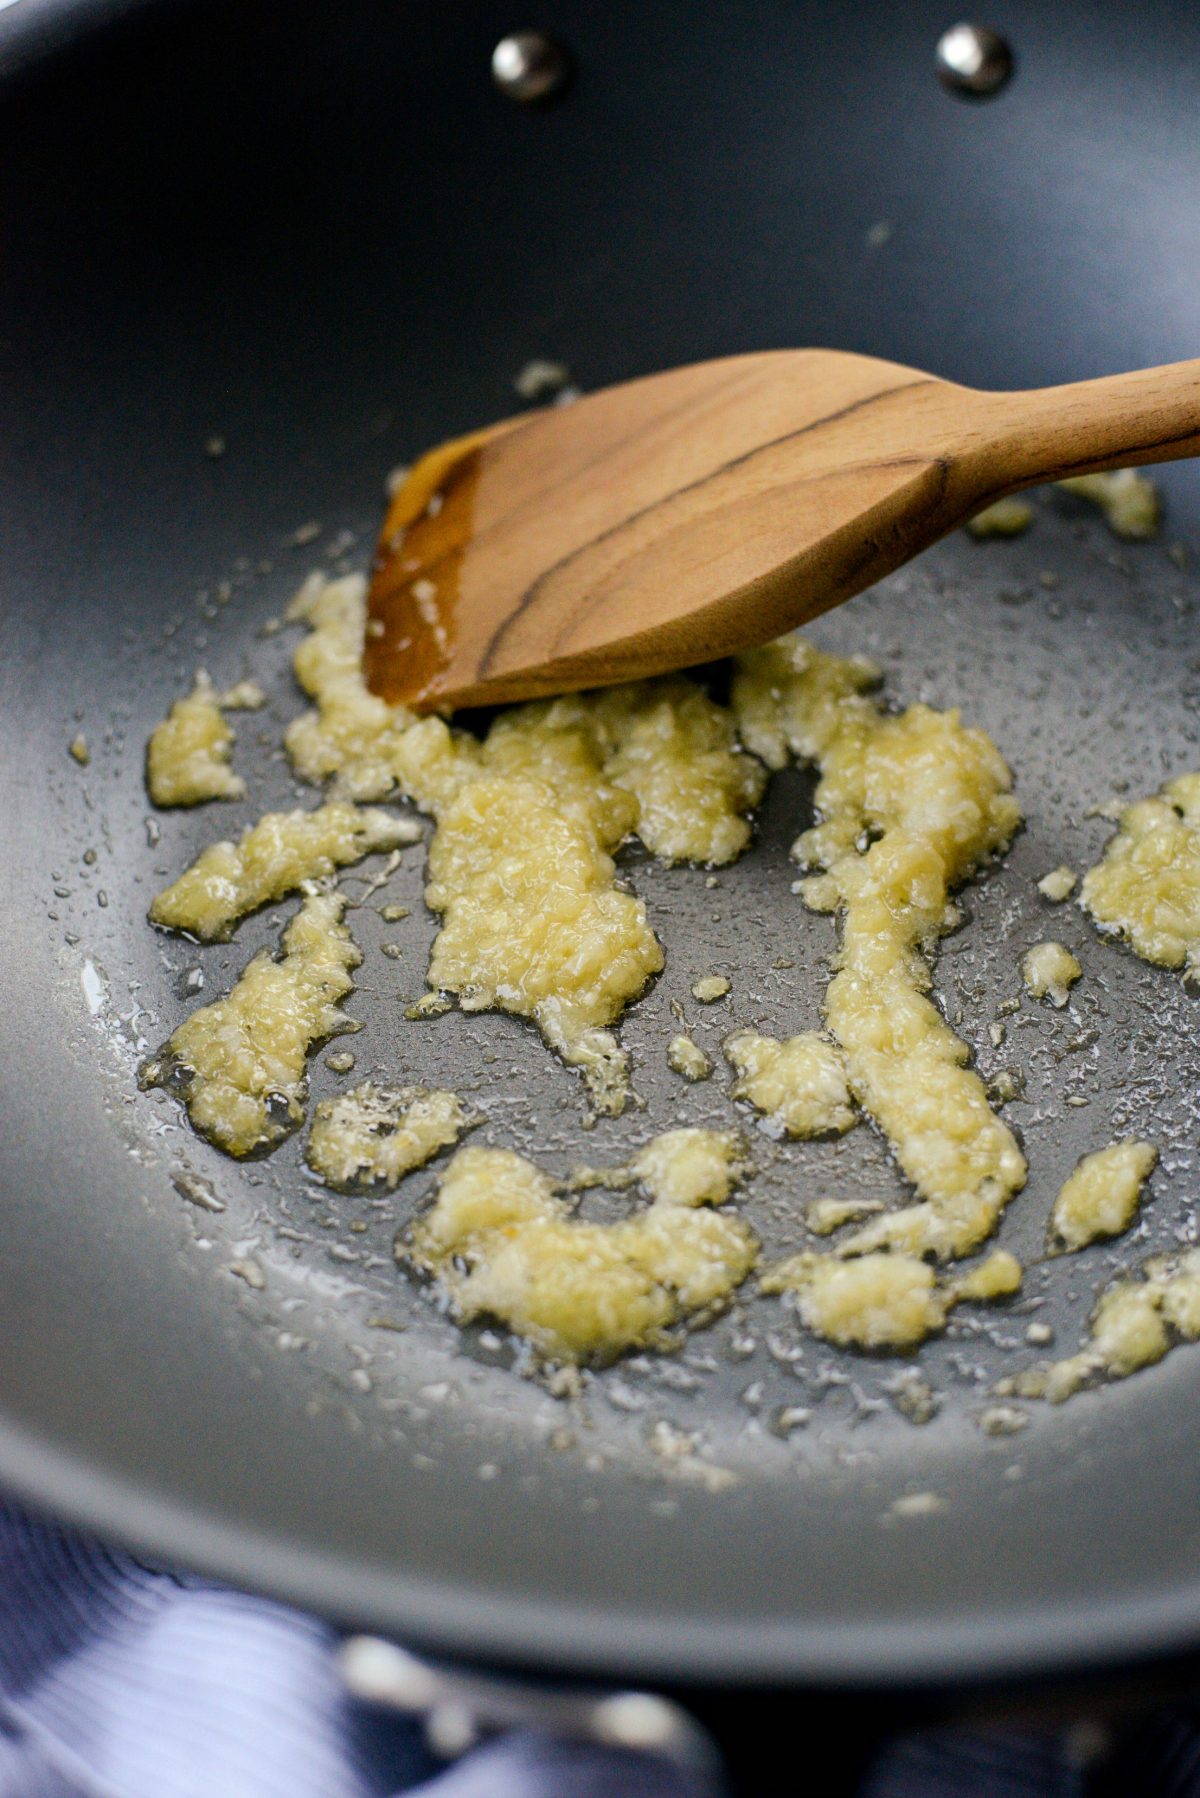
column 824, row 1216
column 881, row 1300
column 501, row 1241
column 534, row 923
column 687, row 1058
column 239, row 1063
column 909, row 806
column 799, row 1084
column 1146, row 886
column 1128, row 500
column 662, row 745
column 270, row 859
column 683, row 783
column 677, row 753
column 1101, row 1197
column 243, row 696
column 691, row 1167
column 1050, row 971
column 188, row 755
column 520, row 865
column 1058, row 885
column 1133, row 1326
column 374, row 1135
column 351, row 736
column 1003, row 518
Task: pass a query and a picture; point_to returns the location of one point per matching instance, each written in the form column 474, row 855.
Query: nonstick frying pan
column 319, row 236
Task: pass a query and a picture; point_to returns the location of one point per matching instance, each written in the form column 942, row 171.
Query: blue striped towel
column 123, row 1680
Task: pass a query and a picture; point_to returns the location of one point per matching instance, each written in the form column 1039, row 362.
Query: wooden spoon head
column 660, row 524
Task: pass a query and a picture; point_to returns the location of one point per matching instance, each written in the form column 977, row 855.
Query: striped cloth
column 123, row 1680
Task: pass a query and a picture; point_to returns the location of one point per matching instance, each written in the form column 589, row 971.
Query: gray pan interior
column 249, row 1384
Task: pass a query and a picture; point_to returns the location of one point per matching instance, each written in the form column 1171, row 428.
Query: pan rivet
column 530, row 66
column 450, row 1730
column 636, row 1720
column 973, row 61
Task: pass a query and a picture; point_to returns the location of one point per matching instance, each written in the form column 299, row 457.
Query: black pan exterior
column 319, row 235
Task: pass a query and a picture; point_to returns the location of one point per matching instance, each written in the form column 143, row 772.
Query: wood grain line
column 531, row 594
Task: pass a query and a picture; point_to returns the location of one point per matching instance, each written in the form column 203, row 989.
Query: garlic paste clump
column 799, row 1085
column 1133, row 1325
column 520, row 866
column 272, row 858
column 686, row 1057
column 1128, row 499
column 374, row 1135
column 239, row 1063
column 1049, row 971
column 188, row 756
column 1058, row 885
column 502, row 1240
column 1101, row 1197
column 910, row 804
column 884, row 1300
column 1146, row 886
column 1009, row 517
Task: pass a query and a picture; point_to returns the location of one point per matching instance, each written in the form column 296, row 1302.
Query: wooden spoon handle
column 1148, row 415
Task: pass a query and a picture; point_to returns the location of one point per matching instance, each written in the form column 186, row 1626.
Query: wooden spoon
column 675, row 519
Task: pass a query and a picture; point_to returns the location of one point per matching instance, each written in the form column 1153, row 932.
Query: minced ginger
column 1146, row 886
column 239, row 1064
column 800, row 1084
column 533, row 920
column 909, row 806
column 1101, row 1197
column 501, row 1241
column 274, row 857
column 374, row 1135
column 188, row 756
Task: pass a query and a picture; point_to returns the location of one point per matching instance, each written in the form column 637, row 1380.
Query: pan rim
column 449, row 1620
